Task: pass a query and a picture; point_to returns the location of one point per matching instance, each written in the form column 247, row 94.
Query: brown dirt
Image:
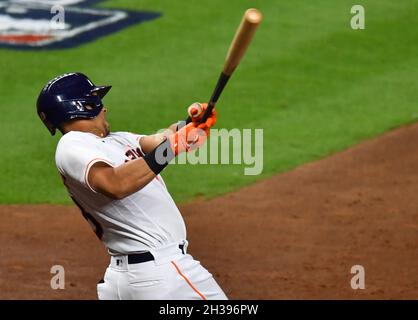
column 294, row 236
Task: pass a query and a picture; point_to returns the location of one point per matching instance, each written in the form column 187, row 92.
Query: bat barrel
column 243, row 36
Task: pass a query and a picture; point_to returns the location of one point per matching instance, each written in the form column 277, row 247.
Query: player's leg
column 145, row 281
column 191, row 281
column 171, row 275
column 107, row 289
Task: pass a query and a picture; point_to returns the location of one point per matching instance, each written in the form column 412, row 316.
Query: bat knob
column 195, row 110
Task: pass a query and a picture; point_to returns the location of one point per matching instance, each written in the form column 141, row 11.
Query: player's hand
column 189, row 137
column 196, row 112
column 209, row 123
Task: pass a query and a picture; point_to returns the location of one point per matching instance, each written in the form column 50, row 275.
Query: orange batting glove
column 189, row 137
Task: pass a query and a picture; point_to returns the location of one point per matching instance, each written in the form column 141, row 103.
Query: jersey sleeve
column 75, row 158
column 134, row 138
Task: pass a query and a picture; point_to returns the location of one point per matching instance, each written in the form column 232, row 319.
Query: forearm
column 149, row 143
column 133, row 176
column 159, row 150
column 121, row 181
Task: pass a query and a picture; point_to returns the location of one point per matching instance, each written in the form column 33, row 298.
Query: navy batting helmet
column 69, row 96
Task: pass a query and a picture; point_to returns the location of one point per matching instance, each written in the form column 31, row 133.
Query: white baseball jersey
column 147, row 219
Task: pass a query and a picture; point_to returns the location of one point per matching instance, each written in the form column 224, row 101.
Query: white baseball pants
column 172, row 275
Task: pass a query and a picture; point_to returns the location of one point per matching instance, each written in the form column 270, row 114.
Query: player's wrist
column 160, row 157
column 182, row 123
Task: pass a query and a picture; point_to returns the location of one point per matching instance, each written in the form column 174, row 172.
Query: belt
column 145, row 257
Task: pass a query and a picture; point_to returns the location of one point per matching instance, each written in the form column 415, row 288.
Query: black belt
column 145, row 257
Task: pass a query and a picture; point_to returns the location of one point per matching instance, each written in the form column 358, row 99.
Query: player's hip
column 149, row 258
column 171, row 274
column 120, row 242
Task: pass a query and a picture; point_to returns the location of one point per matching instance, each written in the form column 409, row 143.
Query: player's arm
column 130, row 177
column 150, row 142
column 120, row 181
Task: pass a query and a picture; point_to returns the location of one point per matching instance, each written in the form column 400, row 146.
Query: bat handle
column 220, row 85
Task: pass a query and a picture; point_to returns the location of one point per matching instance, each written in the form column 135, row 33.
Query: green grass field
column 311, row 82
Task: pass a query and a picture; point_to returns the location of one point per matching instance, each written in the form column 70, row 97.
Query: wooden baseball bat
column 243, row 36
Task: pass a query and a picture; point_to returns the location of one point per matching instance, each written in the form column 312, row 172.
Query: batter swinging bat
column 243, row 36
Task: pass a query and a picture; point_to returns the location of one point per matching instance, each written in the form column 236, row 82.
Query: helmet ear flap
column 47, row 123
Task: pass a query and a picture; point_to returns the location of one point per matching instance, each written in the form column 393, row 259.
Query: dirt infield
column 294, row 236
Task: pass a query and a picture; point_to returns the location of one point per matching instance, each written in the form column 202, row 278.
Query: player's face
column 101, row 122
column 99, row 125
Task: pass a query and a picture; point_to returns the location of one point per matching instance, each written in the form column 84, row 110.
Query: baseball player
column 114, row 178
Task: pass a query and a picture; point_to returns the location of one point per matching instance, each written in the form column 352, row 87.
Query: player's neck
column 81, row 128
